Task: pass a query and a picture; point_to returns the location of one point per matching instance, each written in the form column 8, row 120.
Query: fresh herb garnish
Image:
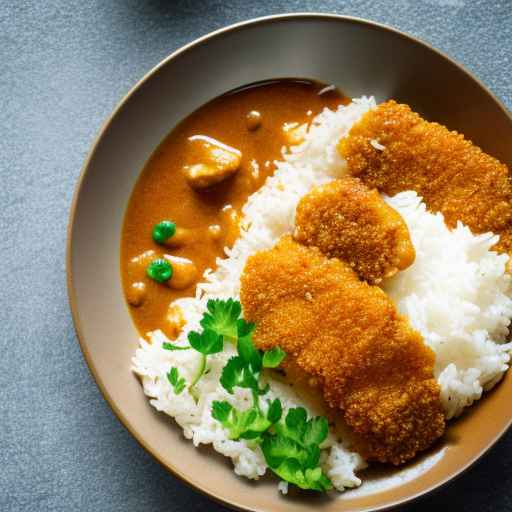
column 292, row 450
column 178, row 383
column 291, row 447
column 243, row 371
column 237, row 373
column 273, row 358
column 222, row 317
column 206, row 343
column 172, row 346
column 248, row 424
column 220, row 322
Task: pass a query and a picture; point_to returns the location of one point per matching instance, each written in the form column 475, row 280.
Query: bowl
column 360, row 57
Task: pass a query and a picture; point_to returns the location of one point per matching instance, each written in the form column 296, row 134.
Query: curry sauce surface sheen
column 162, row 191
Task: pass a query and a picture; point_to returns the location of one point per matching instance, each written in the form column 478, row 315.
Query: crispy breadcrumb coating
column 452, row 175
column 349, row 338
column 347, row 220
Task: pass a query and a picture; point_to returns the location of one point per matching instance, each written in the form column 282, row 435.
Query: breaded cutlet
column 391, row 148
column 348, row 336
column 347, row 220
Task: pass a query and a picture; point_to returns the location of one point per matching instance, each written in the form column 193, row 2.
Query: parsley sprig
column 172, row 346
column 292, row 450
column 220, row 323
column 248, row 424
column 222, row 318
column 244, row 371
column 206, row 343
column 291, row 446
column 178, row 383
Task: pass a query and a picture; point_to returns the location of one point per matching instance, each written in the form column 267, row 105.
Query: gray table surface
column 65, row 65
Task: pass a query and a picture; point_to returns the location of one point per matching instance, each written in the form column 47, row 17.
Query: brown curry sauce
column 162, row 192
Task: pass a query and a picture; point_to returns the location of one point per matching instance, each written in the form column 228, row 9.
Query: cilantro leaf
column 273, row 358
column 316, row 431
column 295, row 464
column 275, row 411
column 221, row 410
column 208, row 342
column 294, row 425
column 291, row 446
column 317, row 481
column 291, row 471
column 244, row 328
column 314, row 479
column 312, row 456
column 249, row 424
column 222, row 317
column 178, row 383
column 172, row 376
column 237, row 373
column 249, row 353
column 172, row 346
column 305, row 432
column 254, row 425
column 292, row 450
column 296, row 420
column 277, row 449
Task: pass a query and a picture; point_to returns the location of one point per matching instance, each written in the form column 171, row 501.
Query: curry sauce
column 253, row 123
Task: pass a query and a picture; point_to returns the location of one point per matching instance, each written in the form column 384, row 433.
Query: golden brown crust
column 347, row 220
column 452, row 175
column 348, row 337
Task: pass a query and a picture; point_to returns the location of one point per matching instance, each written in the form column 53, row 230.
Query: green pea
column 159, row 270
column 163, row 231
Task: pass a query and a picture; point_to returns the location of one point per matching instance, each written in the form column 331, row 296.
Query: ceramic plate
column 358, row 56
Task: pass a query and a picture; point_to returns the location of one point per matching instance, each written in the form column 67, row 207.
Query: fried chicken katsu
column 393, row 149
column 347, row 220
column 347, row 335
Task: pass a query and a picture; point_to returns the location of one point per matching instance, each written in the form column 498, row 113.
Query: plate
column 360, row 57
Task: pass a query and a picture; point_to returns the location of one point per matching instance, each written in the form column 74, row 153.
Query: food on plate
column 184, row 272
column 349, row 336
column 135, row 295
column 294, row 132
column 346, row 220
column 332, row 295
column 393, row 149
column 163, row 194
column 216, row 162
column 163, row 231
column 253, row 120
column 174, row 321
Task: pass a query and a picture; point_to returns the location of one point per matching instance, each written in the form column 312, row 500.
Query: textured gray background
column 65, row 65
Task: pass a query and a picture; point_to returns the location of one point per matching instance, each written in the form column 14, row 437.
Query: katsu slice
column 347, row 220
column 393, row 149
column 348, row 336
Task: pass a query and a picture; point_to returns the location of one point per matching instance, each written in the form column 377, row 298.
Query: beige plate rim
column 71, row 223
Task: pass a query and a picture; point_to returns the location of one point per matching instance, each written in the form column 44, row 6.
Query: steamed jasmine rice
column 456, row 294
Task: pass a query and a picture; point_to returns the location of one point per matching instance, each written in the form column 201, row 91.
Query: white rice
column 456, row 294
